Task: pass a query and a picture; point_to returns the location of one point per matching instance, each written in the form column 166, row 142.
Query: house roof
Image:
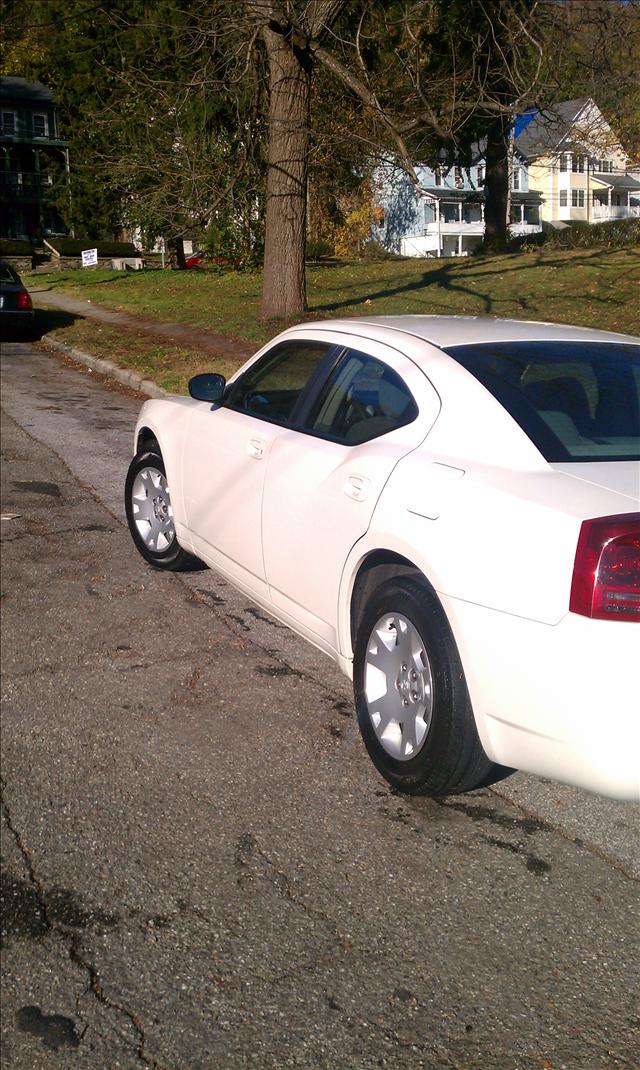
column 541, row 131
column 622, row 182
column 19, row 90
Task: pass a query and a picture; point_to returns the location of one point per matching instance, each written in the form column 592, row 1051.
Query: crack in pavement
column 72, row 942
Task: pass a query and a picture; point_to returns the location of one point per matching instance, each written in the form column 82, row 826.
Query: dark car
column 16, row 309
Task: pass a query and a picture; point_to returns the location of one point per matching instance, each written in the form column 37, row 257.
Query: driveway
column 201, row 868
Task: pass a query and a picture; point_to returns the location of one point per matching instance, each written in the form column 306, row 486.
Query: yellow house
column 578, row 164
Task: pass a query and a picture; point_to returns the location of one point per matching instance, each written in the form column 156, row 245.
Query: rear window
column 7, row 274
column 577, row 401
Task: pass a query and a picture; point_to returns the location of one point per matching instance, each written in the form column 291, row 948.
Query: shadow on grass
column 448, row 276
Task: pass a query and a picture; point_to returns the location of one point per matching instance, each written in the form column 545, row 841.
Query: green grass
column 168, row 365
column 591, row 287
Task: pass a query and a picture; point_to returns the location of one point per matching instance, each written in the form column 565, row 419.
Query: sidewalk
column 222, row 345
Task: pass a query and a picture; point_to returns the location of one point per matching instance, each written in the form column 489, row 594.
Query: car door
column 324, row 479
column 227, row 447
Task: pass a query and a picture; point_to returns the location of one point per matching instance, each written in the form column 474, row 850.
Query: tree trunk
column 284, row 289
column 176, row 253
column 496, row 186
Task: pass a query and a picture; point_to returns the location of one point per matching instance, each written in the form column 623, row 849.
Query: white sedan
column 447, row 507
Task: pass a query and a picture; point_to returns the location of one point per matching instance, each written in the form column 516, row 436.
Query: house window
column 438, row 176
column 480, row 174
column 563, row 198
column 577, row 198
column 458, row 178
column 563, row 162
column 577, row 163
column 516, row 178
column 40, row 124
column 9, row 122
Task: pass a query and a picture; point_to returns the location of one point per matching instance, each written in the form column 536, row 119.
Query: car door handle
column 357, row 487
column 255, row 447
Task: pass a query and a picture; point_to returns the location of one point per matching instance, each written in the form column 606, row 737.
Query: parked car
column 16, row 309
column 447, row 507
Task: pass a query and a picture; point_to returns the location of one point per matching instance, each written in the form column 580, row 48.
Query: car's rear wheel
column 412, row 702
column 150, row 514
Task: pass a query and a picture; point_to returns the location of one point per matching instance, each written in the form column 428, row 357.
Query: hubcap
column 152, row 512
column 398, row 686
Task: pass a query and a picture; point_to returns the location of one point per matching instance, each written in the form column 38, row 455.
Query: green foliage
column 15, row 247
column 614, row 234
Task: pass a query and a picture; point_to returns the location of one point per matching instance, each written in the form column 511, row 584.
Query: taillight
column 24, row 301
column 606, row 572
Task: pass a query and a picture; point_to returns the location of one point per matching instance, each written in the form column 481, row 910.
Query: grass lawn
column 592, row 287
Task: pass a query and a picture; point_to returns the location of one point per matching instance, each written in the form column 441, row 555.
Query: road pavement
column 200, row 866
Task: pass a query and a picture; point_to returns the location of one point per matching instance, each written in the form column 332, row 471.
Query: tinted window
column 577, row 401
column 271, row 388
column 362, row 399
column 7, row 274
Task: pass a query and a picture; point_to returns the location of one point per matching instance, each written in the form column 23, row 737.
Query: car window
column 271, row 388
column 362, row 399
column 7, row 274
column 577, row 401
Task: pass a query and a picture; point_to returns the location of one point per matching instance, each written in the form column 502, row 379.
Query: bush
column 106, row 249
column 318, row 249
column 375, row 250
column 614, row 234
column 15, row 247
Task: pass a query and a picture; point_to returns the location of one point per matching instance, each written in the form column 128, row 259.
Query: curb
column 108, row 368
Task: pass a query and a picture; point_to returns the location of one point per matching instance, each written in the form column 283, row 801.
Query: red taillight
column 606, row 572
column 24, row 301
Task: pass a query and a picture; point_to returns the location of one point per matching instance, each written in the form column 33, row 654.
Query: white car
column 447, row 507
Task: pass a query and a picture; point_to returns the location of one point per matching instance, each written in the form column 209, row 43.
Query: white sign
column 89, row 257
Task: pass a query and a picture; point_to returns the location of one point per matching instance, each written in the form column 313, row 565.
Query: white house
column 578, row 164
column 566, row 165
column 445, row 215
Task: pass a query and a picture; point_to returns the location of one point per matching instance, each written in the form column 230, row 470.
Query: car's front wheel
column 150, row 514
column 412, row 702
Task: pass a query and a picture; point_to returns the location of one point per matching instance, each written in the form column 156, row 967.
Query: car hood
column 621, row 477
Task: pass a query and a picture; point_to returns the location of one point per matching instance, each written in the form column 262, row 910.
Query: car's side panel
column 319, row 498
column 501, row 538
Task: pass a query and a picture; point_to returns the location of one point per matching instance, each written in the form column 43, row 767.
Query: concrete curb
column 108, row 368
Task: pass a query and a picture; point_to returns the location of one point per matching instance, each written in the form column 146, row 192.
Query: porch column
column 39, row 191
column 609, row 202
column 459, row 244
column 522, row 214
column 459, row 211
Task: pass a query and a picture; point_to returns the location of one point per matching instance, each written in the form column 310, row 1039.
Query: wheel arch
column 376, row 568
column 146, row 437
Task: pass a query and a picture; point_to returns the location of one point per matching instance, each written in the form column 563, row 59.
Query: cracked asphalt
column 201, row 868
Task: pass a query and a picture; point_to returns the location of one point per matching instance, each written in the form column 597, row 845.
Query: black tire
column 170, row 556
column 449, row 758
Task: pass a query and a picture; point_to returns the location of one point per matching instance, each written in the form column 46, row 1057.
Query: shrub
column 614, row 234
column 318, row 248
column 15, row 247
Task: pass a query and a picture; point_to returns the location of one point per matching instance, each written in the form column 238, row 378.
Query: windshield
column 577, row 401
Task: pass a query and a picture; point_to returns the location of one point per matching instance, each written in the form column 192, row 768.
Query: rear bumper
column 560, row 701
column 15, row 320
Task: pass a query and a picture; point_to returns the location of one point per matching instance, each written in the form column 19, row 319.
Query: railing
column 457, row 227
column 602, row 212
column 26, row 185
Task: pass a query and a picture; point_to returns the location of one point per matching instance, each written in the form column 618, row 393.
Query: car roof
column 445, row 331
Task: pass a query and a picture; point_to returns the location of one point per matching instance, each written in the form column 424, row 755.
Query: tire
column 407, row 663
column 150, row 516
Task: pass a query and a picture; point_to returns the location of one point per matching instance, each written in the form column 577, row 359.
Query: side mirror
column 207, row 387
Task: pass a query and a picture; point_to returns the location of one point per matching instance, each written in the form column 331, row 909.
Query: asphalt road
column 201, row 868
